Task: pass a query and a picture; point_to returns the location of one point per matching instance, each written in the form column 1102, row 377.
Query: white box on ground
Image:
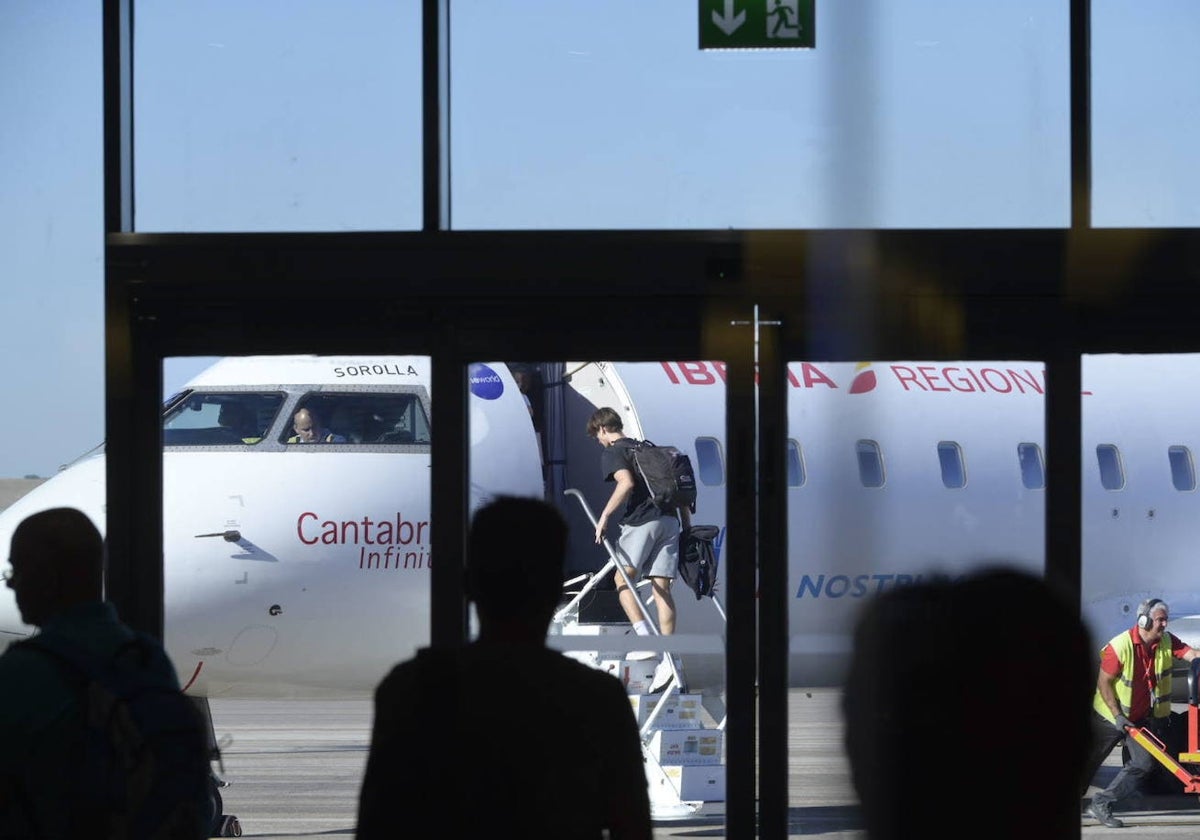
column 686, row 746
column 637, row 675
column 682, row 711
column 697, row 782
column 587, row 657
column 574, row 628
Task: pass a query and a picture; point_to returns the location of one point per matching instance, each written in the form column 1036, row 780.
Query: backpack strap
column 81, row 666
column 79, row 660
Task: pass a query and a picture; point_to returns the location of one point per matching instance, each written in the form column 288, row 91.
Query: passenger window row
column 1112, row 467
column 871, row 472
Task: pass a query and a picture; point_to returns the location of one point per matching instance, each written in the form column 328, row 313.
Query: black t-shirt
column 428, row 717
column 638, row 509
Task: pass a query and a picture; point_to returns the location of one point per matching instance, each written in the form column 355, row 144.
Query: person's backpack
column 698, row 558
column 668, row 475
column 145, row 768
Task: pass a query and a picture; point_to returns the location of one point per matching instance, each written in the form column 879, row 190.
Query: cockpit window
column 209, row 419
column 358, row 418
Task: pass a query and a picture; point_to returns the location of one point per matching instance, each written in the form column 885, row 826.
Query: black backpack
column 698, row 558
column 668, row 475
column 144, row 771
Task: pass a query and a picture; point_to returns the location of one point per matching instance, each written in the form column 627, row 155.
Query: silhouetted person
column 505, row 737
column 48, row 778
column 967, row 706
column 1133, row 688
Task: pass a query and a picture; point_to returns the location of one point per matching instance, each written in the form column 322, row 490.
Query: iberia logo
column 864, row 379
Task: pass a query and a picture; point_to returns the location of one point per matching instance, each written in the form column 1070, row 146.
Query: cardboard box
column 682, row 711
column 636, row 675
column 697, row 782
column 686, row 746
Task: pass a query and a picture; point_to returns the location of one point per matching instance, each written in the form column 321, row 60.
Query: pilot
column 233, row 417
column 308, row 428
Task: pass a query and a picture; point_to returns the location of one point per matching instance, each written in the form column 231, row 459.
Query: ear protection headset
column 1144, row 620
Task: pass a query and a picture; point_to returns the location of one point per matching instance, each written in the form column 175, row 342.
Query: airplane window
column 954, row 472
column 870, row 463
column 209, row 419
column 1033, row 468
column 1112, row 474
column 1183, row 469
column 360, row 418
column 795, row 464
column 709, row 461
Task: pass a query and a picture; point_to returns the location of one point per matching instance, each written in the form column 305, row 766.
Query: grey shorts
column 652, row 548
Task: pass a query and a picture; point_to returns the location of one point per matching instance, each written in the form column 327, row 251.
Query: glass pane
column 608, row 115
column 1183, row 469
column 277, row 116
column 234, row 418
column 950, row 457
column 288, row 525
column 862, row 528
column 679, row 404
column 1145, row 107
column 1033, row 467
column 1112, row 476
column 51, row 267
column 1141, row 542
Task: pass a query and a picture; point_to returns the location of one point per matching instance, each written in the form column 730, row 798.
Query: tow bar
column 1156, row 748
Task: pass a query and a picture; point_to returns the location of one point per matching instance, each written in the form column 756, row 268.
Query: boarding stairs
column 682, row 745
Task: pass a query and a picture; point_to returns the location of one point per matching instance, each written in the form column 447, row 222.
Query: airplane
column 299, row 570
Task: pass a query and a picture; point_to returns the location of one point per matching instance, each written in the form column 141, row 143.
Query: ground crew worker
column 1133, row 689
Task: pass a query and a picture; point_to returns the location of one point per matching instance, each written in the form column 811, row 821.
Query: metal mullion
column 741, row 580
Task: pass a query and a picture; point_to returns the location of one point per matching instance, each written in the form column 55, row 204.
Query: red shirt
column 1143, row 673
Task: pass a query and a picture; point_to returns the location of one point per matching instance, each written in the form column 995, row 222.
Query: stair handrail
column 572, row 606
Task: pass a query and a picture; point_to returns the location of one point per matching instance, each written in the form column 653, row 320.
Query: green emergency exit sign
column 757, row 24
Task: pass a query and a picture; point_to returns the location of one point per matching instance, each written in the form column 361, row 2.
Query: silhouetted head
column 515, row 555
column 57, row 559
column 968, row 691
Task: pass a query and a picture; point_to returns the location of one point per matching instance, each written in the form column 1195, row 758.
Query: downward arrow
column 729, row 22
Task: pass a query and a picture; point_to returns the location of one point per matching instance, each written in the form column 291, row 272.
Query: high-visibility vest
column 1160, row 703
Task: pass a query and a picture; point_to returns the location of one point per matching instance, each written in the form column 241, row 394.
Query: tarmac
column 295, row 767
column 12, row 489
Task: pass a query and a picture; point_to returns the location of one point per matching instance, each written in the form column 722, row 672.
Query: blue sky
column 291, row 115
